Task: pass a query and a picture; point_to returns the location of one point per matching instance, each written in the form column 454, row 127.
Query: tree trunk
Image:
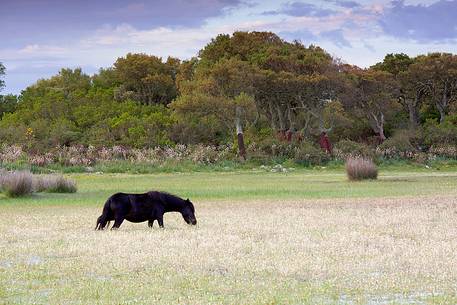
column 272, row 116
column 239, row 133
column 413, row 115
column 441, row 103
column 442, row 112
column 379, row 125
column 291, row 117
column 282, row 123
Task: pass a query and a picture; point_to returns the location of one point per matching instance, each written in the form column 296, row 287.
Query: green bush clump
column 345, row 149
column 309, row 155
column 439, row 134
column 396, row 147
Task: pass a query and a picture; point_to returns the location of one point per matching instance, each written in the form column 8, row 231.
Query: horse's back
column 135, row 207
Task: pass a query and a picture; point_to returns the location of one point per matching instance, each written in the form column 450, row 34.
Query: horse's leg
column 160, row 221
column 151, row 222
column 117, row 223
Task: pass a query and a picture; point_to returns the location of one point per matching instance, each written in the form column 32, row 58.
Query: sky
column 39, row 37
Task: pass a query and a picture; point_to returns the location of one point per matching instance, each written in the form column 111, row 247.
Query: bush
column 17, row 184
column 345, row 149
column 444, row 133
column 397, row 147
column 308, row 154
column 444, row 150
column 361, row 169
column 54, row 184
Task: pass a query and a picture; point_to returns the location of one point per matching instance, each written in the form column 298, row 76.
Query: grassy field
column 305, row 237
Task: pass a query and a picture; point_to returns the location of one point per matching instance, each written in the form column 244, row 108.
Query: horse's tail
column 104, row 218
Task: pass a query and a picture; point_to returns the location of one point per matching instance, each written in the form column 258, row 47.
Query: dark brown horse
column 144, row 207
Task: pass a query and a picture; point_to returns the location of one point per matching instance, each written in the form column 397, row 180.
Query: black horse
column 141, row 207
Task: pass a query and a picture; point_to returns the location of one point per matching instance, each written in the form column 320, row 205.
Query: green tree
column 373, row 95
column 8, row 104
column 440, row 81
column 146, row 78
column 220, row 92
column 2, row 73
column 411, row 81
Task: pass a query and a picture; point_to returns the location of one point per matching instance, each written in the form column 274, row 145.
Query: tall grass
column 55, row 184
column 16, row 184
column 361, row 169
column 23, row 183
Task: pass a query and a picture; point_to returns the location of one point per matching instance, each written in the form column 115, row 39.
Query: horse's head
column 188, row 212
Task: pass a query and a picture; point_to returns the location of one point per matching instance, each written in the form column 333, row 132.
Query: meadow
column 302, row 237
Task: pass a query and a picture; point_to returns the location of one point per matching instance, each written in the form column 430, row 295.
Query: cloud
column 423, row 23
column 305, row 36
column 337, row 37
column 298, row 9
column 348, row 4
column 345, row 4
column 352, row 29
column 57, row 20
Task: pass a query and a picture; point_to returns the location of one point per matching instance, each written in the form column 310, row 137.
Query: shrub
column 10, row 153
column 396, row 147
column 444, row 133
column 345, row 149
column 17, row 184
column 361, row 169
column 308, row 154
column 54, row 184
column 444, row 150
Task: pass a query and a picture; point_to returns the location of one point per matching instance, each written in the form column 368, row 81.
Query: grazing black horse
column 141, row 207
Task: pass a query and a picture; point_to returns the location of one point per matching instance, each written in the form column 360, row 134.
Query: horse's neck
column 173, row 207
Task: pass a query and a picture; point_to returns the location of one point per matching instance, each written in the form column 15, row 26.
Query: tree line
column 245, row 87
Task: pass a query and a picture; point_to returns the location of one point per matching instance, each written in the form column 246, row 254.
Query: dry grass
column 361, row 169
column 54, row 184
column 16, row 184
column 338, row 251
column 24, row 183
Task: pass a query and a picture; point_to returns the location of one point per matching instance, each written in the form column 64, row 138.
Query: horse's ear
column 187, row 200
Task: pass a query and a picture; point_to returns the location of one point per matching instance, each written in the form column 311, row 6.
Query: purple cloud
column 337, row 37
column 299, row 9
column 345, row 4
column 305, row 36
column 424, row 23
column 57, row 19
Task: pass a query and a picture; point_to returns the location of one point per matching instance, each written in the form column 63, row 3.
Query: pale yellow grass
column 342, row 251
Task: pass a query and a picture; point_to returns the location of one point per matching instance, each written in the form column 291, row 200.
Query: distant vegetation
column 253, row 93
column 361, row 169
column 24, row 183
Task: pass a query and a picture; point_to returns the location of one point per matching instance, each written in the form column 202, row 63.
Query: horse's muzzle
column 191, row 221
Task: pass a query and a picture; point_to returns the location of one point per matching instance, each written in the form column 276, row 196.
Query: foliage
column 8, row 104
column 248, row 82
column 345, row 149
column 396, row 147
column 2, row 72
column 310, row 155
column 46, row 116
column 444, row 133
column 146, row 78
column 361, row 169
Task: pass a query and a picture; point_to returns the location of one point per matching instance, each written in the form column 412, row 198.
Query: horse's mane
column 170, row 198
